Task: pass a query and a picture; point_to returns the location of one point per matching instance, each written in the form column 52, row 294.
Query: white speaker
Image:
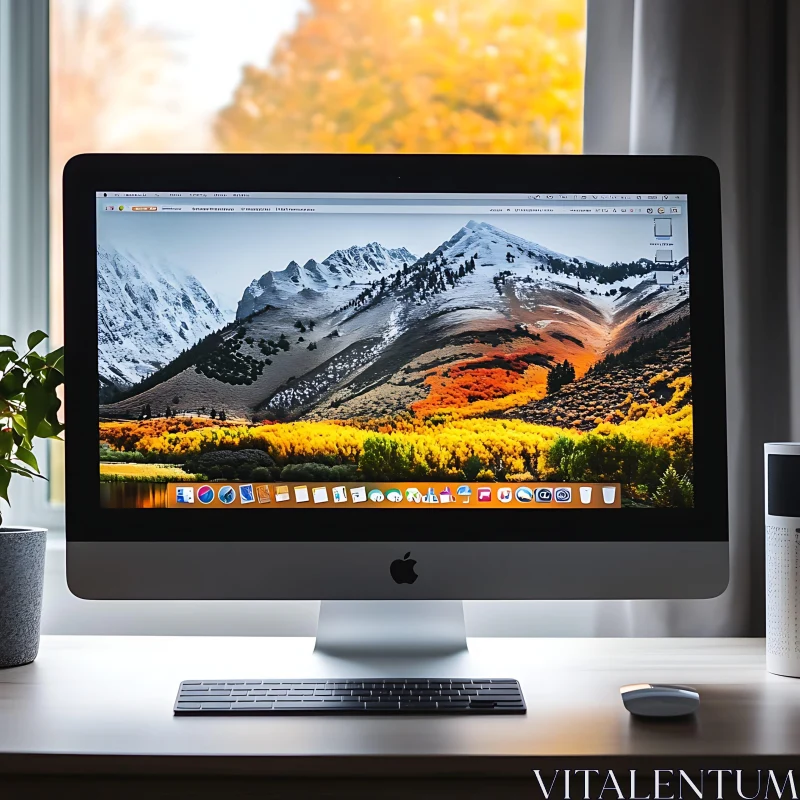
column 782, row 537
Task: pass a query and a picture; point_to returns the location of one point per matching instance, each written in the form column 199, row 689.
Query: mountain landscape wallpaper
column 391, row 348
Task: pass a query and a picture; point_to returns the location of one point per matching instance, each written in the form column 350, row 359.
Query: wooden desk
column 100, row 708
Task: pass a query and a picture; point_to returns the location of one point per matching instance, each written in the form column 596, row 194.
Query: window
column 407, row 76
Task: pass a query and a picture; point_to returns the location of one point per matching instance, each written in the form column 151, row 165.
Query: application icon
column 504, row 494
column 184, row 494
column 523, row 494
column 484, row 495
column 320, row 494
column 609, row 493
column 122, row 208
column 205, row 494
column 375, row 495
column 262, row 494
column 543, row 495
column 339, row 494
column 563, row 494
column 301, row 494
column 359, row 494
column 413, row 495
column 227, row 495
column 446, row 496
column 394, row 495
column 430, row 497
column 586, row 495
column 246, row 494
column 464, row 492
column 281, row 493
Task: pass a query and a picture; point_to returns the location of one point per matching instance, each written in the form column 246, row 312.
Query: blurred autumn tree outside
column 417, row 76
column 107, row 94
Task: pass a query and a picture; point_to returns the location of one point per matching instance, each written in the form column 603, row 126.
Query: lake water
column 136, row 494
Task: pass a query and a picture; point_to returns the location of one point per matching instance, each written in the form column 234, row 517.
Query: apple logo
column 402, row 569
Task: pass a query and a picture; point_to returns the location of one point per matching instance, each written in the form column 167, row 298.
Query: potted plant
column 29, row 406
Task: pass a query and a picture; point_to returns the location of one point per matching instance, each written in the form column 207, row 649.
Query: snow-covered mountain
column 490, row 242
column 147, row 313
column 359, row 265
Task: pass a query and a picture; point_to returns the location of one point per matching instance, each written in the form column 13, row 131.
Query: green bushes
column 650, row 472
column 674, row 491
column 120, row 456
column 312, row 471
column 232, row 464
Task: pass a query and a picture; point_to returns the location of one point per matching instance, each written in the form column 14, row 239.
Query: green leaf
column 37, row 400
column 5, row 477
column 54, row 356
column 49, row 430
column 36, row 362
column 11, row 383
column 52, row 379
column 7, row 357
column 27, row 457
column 36, row 338
column 9, row 466
column 18, row 424
column 7, row 341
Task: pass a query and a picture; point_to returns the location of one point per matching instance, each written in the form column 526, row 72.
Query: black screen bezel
column 695, row 176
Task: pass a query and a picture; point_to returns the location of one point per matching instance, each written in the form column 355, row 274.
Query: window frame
column 25, row 211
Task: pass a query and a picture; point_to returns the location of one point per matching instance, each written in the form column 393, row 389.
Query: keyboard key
column 188, row 706
column 216, row 706
column 497, row 698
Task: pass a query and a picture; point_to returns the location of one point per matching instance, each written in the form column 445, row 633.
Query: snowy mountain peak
column 356, row 264
column 147, row 313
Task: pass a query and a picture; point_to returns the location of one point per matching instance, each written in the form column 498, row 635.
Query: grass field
column 148, row 473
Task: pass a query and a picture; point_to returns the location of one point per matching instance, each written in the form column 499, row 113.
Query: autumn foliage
column 127, row 435
column 417, row 76
column 637, row 451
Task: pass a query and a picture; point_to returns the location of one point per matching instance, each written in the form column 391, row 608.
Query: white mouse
column 659, row 700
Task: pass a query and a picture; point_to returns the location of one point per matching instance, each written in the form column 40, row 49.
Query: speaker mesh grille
column 783, row 590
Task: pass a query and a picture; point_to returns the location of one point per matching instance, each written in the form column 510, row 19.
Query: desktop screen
column 277, row 351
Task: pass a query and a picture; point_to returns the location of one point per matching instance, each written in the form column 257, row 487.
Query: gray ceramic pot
column 21, row 579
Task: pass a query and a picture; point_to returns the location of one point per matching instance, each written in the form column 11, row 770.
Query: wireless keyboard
column 351, row 696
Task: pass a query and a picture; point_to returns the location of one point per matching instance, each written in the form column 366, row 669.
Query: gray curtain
column 721, row 78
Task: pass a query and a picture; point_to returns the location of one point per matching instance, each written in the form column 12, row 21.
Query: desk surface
column 109, row 698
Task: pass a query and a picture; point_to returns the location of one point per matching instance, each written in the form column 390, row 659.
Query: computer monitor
column 394, row 377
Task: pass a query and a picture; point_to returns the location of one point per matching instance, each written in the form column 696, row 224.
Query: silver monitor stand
column 391, row 627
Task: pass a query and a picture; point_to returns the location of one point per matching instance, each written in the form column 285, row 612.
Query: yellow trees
column 420, row 448
column 417, row 76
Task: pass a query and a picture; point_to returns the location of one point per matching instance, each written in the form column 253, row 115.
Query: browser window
column 285, row 351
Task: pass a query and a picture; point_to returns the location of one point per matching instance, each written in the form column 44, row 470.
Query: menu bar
column 211, row 208
column 358, row 196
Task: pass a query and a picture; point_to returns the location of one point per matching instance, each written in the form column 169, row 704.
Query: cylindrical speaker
column 782, row 537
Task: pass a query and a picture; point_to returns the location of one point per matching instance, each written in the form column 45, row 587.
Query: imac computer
column 382, row 378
